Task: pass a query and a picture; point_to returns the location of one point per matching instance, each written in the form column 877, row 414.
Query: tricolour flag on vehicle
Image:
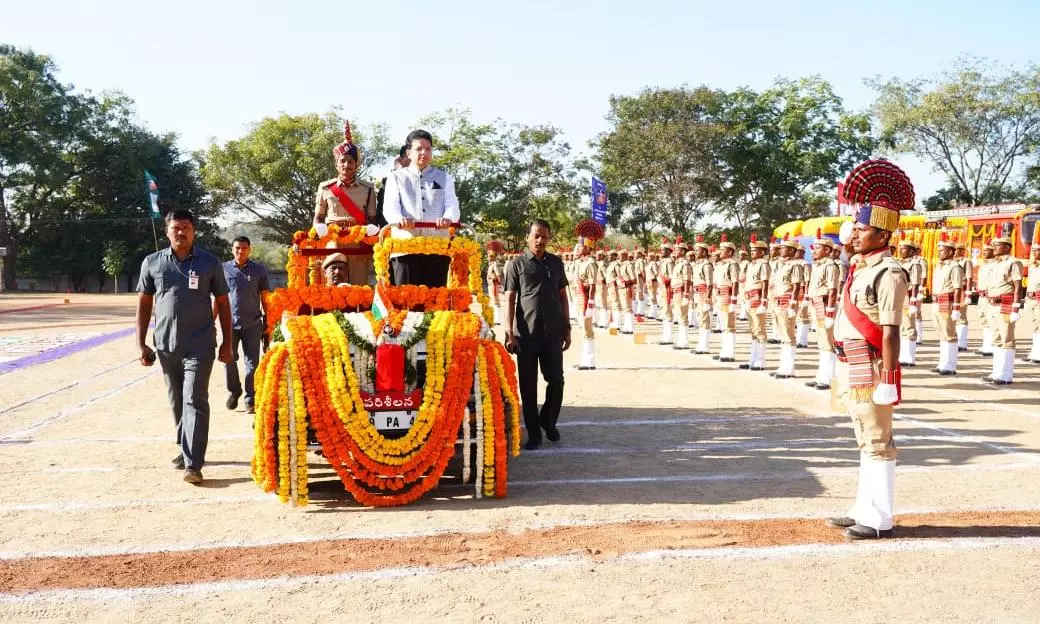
column 379, row 308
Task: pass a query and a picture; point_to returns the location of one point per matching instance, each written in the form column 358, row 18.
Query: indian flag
column 379, row 308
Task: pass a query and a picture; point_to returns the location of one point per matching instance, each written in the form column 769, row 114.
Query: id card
column 193, row 281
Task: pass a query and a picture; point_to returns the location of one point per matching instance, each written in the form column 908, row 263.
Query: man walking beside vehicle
column 248, row 287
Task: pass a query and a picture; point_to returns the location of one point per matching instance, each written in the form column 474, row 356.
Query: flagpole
column 155, row 235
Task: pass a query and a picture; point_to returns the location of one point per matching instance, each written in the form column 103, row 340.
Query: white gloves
column 1014, row 317
column 761, row 309
column 716, row 310
column 321, row 229
column 913, row 309
column 805, row 304
column 792, row 312
column 371, row 229
column 885, row 394
column 955, row 315
column 828, row 322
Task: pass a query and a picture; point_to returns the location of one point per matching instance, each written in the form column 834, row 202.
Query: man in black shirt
column 538, row 330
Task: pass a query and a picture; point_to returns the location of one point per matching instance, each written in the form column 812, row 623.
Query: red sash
column 667, row 290
column 1005, row 304
column 944, row 300
column 871, row 333
column 356, row 213
column 754, row 297
column 820, row 307
column 1034, row 295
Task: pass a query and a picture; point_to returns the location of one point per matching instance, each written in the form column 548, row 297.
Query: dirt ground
column 683, row 491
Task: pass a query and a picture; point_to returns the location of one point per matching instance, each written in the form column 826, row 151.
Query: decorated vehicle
column 392, row 383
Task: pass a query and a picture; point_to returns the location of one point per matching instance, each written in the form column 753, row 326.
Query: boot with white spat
column 666, row 333
column 759, row 361
column 498, row 315
column 987, row 342
column 602, row 315
column 751, row 357
column 682, row 339
column 729, row 347
column 920, row 331
column 703, row 341
column 874, row 511
column 655, row 313
column 628, row 327
column 962, row 337
column 588, row 354
column 1034, row 353
column 824, row 372
column 907, row 352
column 802, row 336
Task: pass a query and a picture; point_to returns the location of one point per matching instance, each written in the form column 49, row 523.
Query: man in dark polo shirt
column 247, row 281
column 538, row 330
column 178, row 282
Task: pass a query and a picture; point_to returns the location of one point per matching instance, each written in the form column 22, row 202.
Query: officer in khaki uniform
column 982, row 279
column 755, row 291
column 922, row 266
column 744, row 262
column 665, row 289
column 702, row 285
column 495, row 278
column 612, row 271
column 866, row 332
column 1004, row 290
column 652, row 275
column 681, row 286
column 586, row 274
column 908, row 330
column 803, row 321
column 725, row 285
column 346, row 201
column 787, row 285
column 774, row 265
column 822, row 293
column 602, row 308
column 639, row 269
column 626, row 291
column 968, row 269
column 947, row 294
column 1033, row 295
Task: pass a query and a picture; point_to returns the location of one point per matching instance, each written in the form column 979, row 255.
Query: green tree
column 782, row 150
column 114, row 262
column 974, row 123
column 271, row 174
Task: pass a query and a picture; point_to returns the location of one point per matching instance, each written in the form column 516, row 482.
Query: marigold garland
column 378, row 471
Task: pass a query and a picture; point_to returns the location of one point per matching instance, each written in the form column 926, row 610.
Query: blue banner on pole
column 600, row 205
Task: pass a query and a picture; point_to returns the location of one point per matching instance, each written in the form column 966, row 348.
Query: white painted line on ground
column 1033, row 457
column 533, row 523
column 15, row 406
column 287, row 582
column 811, row 472
column 62, row 506
column 28, row 431
column 671, row 421
column 121, row 440
column 997, row 406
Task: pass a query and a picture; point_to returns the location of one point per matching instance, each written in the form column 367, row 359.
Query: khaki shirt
column 1034, row 277
column 610, row 272
column 639, row 270
column 494, row 276
column 725, row 273
column 885, row 307
column 949, row 277
column 587, row 272
column 652, row 270
column 601, row 271
column 626, row 271
column 1003, row 275
column 916, row 271
column 787, row 276
column 757, row 274
column 702, row 272
column 843, row 272
column 682, row 274
column 362, row 193
column 967, row 267
column 824, row 278
column 665, row 269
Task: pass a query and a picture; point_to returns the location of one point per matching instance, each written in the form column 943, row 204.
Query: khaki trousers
column 1034, row 312
column 727, row 314
column 824, row 336
column 586, row 321
column 703, row 310
column 680, row 308
column 662, row 302
column 944, row 325
column 785, row 325
column 871, row 423
column 908, row 327
column 1003, row 328
column 758, row 326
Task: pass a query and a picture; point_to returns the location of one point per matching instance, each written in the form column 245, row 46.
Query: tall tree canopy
column 974, row 123
column 273, row 172
column 72, row 175
column 750, row 159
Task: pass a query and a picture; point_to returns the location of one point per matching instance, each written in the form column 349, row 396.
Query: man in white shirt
column 420, row 193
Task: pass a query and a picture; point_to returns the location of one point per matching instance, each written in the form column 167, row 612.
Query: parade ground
column 683, row 490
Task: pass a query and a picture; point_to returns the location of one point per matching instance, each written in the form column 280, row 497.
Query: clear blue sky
column 207, row 69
